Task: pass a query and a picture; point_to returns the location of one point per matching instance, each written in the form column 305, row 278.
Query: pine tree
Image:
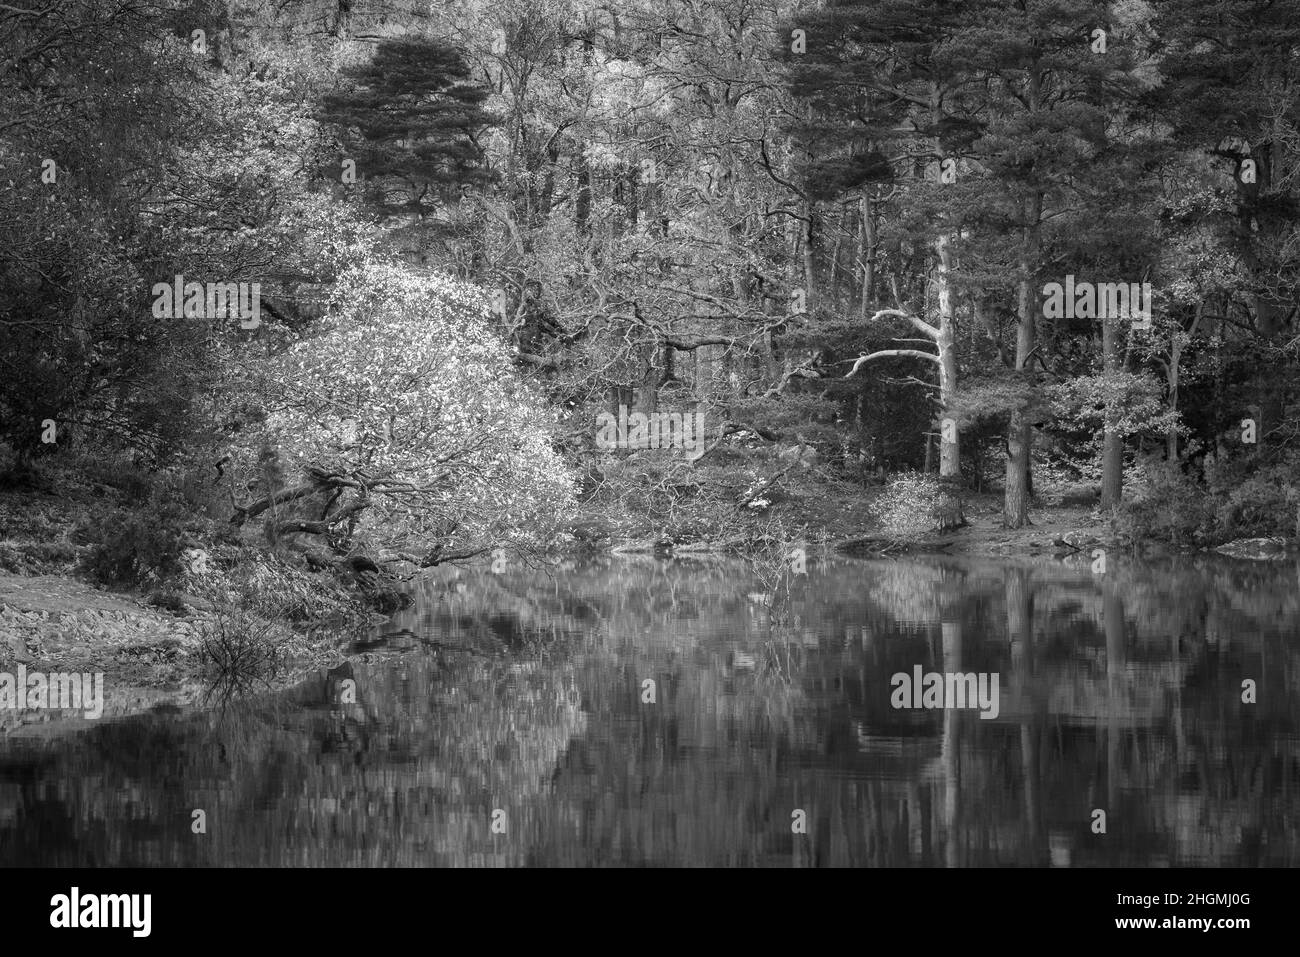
column 879, row 118
column 1230, row 98
column 412, row 126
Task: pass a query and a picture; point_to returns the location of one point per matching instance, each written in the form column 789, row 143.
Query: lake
column 636, row 711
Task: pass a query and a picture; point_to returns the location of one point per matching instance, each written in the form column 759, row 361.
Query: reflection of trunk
column 918, row 833
column 1113, row 616
column 1018, row 597
column 1031, row 775
column 1116, row 657
column 1018, row 622
column 951, row 754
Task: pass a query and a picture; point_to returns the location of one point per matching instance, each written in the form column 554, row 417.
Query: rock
column 14, row 649
column 1077, row 540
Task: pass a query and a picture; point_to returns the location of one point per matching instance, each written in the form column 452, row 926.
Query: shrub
column 278, row 590
column 168, row 600
column 912, row 504
column 135, row 547
column 238, row 648
column 1164, row 504
column 402, row 408
column 117, row 471
column 1238, row 499
column 1252, row 500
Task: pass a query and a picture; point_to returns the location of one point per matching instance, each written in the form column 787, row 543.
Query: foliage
column 272, row 586
column 404, row 402
column 135, row 546
column 1165, row 505
column 664, row 208
column 910, row 505
column 1255, row 501
column 415, row 120
column 1170, row 505
column 1124, row 403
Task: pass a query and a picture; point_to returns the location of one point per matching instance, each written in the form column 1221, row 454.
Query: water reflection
column 528, row 693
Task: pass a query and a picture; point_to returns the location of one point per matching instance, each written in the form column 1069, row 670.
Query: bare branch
column 885, row 353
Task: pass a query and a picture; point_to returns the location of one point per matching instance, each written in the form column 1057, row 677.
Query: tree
column 881, row 115
column 402, row 414
column 1043, row 99
column 412, row 127
column 1230, row 98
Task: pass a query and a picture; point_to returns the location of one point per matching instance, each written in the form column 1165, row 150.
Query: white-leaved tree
column 401, row 426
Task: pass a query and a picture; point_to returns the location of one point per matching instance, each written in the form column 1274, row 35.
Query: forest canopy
column 837, row 231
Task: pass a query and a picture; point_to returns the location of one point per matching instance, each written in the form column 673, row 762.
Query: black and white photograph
column 650, row 434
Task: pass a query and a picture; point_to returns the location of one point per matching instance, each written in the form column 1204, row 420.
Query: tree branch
column 885, row 353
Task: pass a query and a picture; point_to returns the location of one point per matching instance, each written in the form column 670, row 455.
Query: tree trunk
column 810, row 238
column 582, row 202
column 1015, row 506
column 1112, row 452
column 1172, row 375
column 949, row 448
column 868, row 256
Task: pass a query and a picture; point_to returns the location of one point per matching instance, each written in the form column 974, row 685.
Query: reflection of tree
column 407, row 776
column 1112, row 696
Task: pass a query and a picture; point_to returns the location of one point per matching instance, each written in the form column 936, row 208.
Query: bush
column 1163, row 504
column 168, row 600
column 276, row 589
column 135, row 547
column 1254, row 498
column 117, row 471
column 1238, row 499
column 238, row 649
column 914, row 504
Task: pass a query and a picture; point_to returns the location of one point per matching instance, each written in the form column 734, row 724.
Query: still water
column 644, row 712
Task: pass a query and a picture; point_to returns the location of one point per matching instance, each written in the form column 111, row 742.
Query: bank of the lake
column 150, row 642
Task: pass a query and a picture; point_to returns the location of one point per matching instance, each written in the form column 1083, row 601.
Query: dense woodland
column 828, row 227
